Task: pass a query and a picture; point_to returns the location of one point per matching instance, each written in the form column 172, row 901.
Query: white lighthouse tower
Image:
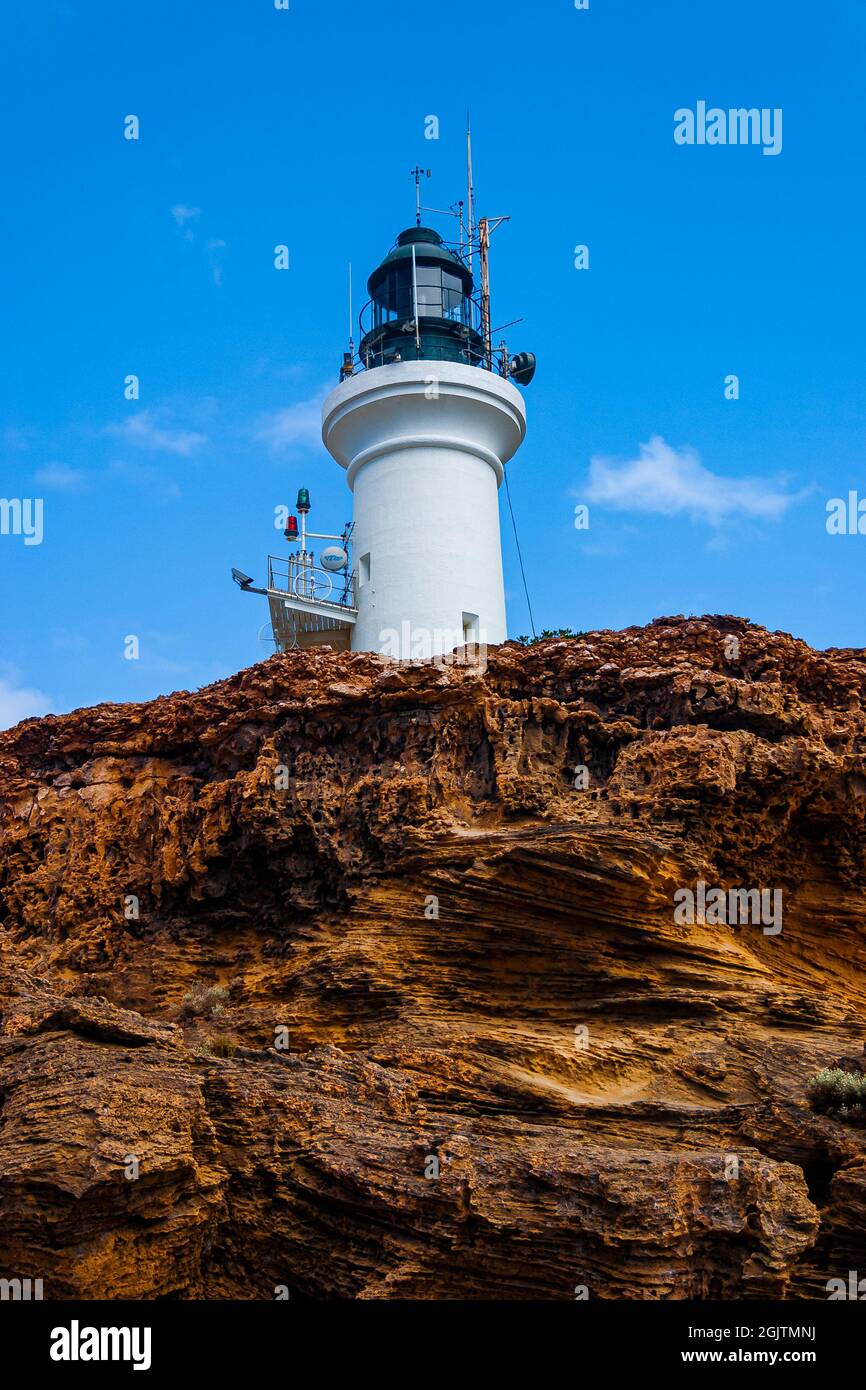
column 424, row 421
column 424, row 444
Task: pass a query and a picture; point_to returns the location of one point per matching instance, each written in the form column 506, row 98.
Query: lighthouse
column 424, row 421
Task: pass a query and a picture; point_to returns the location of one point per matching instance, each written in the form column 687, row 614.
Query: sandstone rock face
column 336, row 979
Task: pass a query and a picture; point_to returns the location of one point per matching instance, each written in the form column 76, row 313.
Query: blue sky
column 261, row 127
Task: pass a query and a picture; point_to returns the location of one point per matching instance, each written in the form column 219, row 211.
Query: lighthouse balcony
column 310, row 606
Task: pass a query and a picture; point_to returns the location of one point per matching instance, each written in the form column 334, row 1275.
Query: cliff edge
column 349, row 979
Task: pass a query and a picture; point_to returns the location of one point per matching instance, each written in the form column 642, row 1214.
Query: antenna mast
column 348, row 367
column 484, row 257
column 351, row 321
column 418, row 174
column 470, row 189
column 486, row 225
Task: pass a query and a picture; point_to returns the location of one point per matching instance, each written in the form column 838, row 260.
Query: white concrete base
column 424, row 444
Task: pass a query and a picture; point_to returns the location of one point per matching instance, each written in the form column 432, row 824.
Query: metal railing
column 297, row 577
column 378, row 350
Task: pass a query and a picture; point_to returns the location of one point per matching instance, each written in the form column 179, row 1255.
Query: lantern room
column 421, row 305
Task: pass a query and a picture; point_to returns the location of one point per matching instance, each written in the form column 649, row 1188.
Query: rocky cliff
column 348, row 979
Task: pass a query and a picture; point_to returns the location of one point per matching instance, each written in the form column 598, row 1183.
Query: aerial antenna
column 351, row 318
column 484, row 257
column 470, row 189
column 486, row 225
column 348, row 367
column 418, row 174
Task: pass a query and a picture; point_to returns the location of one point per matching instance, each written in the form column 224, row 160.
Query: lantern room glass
column 440, row 295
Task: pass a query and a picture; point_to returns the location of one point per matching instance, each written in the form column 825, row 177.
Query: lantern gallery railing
column 377, row 352
column 298, row 578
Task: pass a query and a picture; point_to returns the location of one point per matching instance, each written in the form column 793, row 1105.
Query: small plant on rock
column 203, row 1001
column 547, row 634
column 834, row 1091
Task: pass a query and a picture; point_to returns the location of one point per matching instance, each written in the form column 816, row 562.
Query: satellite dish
column 333, row 557
column 522, row 368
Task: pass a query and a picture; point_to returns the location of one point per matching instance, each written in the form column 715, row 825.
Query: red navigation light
column 291, row 531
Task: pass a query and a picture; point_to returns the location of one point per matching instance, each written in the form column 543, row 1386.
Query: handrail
column 311, row 583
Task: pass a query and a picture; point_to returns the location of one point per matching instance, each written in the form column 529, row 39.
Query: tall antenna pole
column 484, row 256
column 351, row 317
column 471, row 190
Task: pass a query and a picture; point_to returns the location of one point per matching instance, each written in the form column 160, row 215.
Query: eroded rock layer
column 341, row 978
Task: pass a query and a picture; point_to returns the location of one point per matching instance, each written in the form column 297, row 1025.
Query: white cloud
column 143, row 431
column 673, row 482
column 58, row 476
column 297, row 426
column 18, row 437
column 216, row 269
column 182, row 214
column 19, row 702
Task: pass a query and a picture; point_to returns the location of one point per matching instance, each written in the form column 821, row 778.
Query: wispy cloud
column 184, row 215
column 674, row 482
column 214, row 261
column 61, row 478
column 18, row 437
column 297, row 426
column 19, row 702
column 143, row 431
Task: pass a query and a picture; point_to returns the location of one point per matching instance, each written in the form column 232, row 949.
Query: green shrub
column 834, row 1089
column 203, row 1001
column 547, row 634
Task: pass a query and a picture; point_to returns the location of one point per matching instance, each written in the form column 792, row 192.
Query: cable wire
column 519, row 556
